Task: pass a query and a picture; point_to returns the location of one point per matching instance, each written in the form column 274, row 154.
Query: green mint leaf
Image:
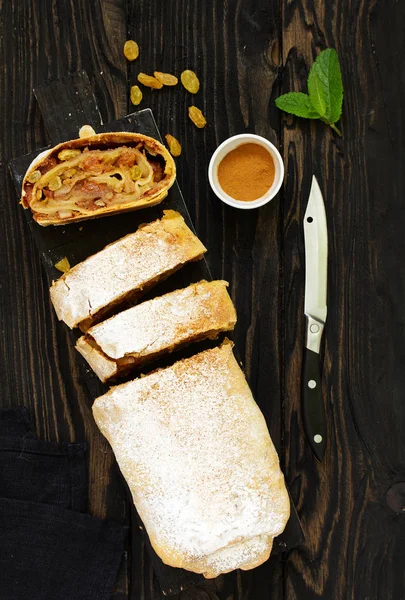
column 316, row 93
column 297, row 103
column 325, row 89
column 325, row 86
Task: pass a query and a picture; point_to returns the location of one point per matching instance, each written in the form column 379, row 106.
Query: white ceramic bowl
column 232, row 143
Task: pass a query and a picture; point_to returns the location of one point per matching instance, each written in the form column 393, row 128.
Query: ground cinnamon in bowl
column 247, row 172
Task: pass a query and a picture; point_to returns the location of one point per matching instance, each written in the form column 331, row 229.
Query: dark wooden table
column 246, row 53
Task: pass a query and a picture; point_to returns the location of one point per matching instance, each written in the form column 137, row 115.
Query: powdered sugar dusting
column 130, row 263
column 195, row 451
column 166, row 321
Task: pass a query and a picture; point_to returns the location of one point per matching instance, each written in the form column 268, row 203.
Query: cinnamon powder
column 247, row 172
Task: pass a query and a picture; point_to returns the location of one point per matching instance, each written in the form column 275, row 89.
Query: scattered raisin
column 190, row 81
column 136, row 95
column 131, row 50
column 174, row 145
column 86, row 131
column 197, row 117
column 166, row 78
column 63, row 265
column 150, row 81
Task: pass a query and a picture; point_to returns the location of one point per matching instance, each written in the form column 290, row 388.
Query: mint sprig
column 325, row 97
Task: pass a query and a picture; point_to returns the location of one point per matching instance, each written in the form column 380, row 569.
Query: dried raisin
column 136, row 95
column 197, row 117
column 68, row 154
column 166, row 78
column 63, row 265
column 34, row 176
column 174, row 145
column 136, row 172
column 55, row 183
column 86, row 131
column 131, row 50
column 190, row 81
column 150, row 81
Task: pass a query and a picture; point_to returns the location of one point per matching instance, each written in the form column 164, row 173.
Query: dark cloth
column 49, row 472
column 15, row 422
column 49, row 550
column 49, row 553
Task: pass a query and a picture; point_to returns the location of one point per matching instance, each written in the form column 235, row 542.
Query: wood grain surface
column 246, row 53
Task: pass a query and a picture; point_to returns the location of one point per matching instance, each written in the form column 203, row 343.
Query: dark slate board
column 67, row 104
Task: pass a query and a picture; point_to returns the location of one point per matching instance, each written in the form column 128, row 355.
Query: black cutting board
column 66, row 105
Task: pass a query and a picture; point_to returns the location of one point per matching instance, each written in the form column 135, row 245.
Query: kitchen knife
column 316, row 272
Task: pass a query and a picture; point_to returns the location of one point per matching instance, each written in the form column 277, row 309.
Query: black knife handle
column 312, row 404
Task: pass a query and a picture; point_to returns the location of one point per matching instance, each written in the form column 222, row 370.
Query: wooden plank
column 353, row 537
column 37, row 367
column 64, row 103
column 233, row 47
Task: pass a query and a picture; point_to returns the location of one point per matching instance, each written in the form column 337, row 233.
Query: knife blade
column 315, row 309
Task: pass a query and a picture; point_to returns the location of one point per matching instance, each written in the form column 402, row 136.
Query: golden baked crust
column 124, row 270
column 98, row 181
column 195, row 451
column 142, row 333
